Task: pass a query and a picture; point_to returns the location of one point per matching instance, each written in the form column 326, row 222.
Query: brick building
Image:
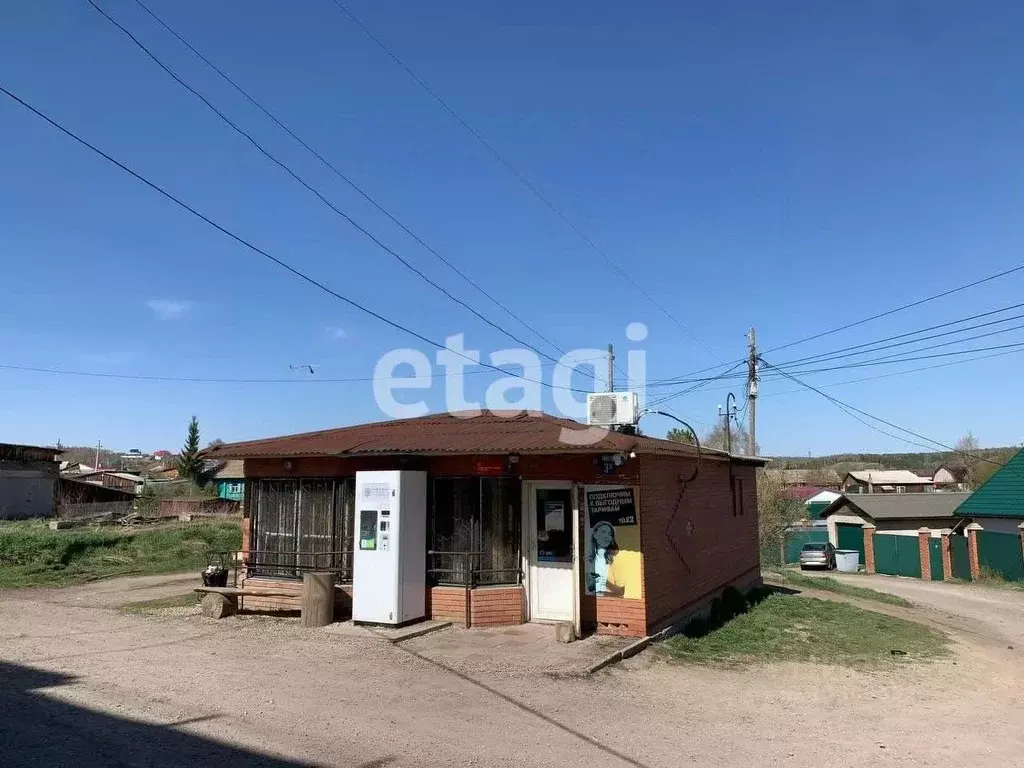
column 623, row 536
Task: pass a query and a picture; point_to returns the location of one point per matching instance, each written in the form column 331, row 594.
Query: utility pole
column 752, row 391
column 98, row 446
column 611, row 369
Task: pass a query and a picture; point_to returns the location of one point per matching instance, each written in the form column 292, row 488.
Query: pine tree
column 189, row 464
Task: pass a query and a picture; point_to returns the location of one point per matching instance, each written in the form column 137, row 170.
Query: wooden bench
column 317, row 599
column 218, row 602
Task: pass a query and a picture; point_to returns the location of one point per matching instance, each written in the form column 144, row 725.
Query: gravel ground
column 82, row 685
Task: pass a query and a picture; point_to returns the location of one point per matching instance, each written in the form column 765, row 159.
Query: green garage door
column 850, row 536
column 897, row 555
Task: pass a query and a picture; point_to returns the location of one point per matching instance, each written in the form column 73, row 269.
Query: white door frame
column 529, row 542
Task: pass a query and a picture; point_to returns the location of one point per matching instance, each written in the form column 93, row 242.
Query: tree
column 215, row 442
column 977, row 470
column 680, row 435
column 717, row 439
column 776, row 511
column 189, row 464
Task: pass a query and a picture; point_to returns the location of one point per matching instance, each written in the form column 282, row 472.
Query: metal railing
column 462, row 569
column 285, row 565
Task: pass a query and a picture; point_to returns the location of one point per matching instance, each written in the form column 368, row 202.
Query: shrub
column 733, row 602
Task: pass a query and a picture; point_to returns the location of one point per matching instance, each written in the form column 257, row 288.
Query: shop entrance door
column 551, row 547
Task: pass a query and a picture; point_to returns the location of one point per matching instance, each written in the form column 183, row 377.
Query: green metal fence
column 897, row 555
column 935, row 559
column 1001, row 553
column 960, row 558
column 795, row 539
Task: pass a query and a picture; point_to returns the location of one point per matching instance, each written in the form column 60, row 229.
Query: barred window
column 301, row 525
column 475, row 531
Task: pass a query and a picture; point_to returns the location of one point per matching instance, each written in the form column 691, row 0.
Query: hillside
column 86, row 455
column 843, row 462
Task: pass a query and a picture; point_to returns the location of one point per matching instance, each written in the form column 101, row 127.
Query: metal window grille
column 301, row 525
column 475, row 531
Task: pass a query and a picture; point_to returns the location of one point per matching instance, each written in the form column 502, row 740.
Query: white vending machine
column 390, row 560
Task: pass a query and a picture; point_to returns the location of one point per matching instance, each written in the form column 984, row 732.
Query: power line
column 366, row 196
column 901, row 308
column 836, row 353
column 685, row 378
column 695, row 387
column 896, row 373
column 266, row 153
column 864, row 364
column 283, row 264
column 519, row 175
column 885, row 361
column 1013, row 350
column 850, row 408
column 207, row 380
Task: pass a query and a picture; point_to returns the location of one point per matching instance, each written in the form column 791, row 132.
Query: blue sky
column 788, row 167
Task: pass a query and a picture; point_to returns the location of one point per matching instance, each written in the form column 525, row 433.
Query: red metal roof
column 801, row 492
column 490, row 432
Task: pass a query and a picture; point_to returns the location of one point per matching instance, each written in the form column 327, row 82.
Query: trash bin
column 847, row 560
column 215, row 576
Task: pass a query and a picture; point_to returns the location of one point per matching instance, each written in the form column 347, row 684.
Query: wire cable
column 695, row 387
column 850, row 408
column 519, row 175
column 896, row 373
column 365, row 195
column 266, row 153
column 256, row 249
column 901, row 308
column 207, row 380
column 837, row 352
column 884, row 361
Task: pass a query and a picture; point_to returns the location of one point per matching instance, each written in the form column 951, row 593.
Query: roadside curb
column 633, row 648
column 397, row 636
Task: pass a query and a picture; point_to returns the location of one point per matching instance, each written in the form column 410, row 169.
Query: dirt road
column 83, row 685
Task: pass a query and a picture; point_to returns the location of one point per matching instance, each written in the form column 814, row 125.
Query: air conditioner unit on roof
column 612, row 409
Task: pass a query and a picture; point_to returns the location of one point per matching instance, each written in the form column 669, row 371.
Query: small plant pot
column 215, row 576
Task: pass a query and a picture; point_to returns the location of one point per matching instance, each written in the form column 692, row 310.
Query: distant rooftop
column 889, row 477
column 900, row 506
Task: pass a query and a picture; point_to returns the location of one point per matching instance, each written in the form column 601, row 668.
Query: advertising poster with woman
column 613, row 543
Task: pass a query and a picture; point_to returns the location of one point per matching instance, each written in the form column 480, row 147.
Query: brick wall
column 485, row 606
column 246, row 533
column 495, row 606
column 696, row 543
column 448, row 603
column 613, row 616
column 924, row 554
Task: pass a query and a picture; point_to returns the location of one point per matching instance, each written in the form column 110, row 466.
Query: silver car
column 819, row 554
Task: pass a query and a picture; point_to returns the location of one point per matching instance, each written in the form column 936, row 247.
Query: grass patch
column 793, row 628
column 31, row 555
column 828, row 584
column 146, row 607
